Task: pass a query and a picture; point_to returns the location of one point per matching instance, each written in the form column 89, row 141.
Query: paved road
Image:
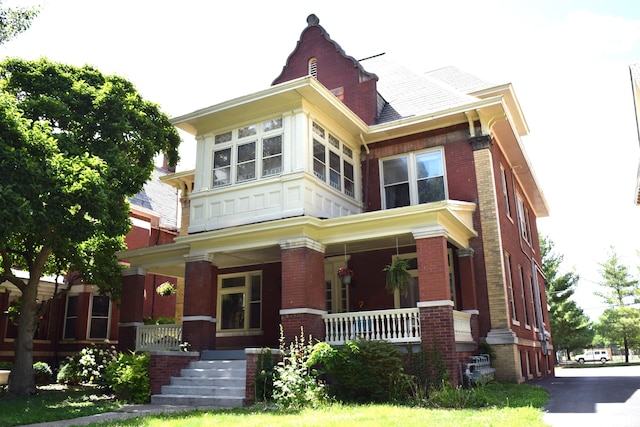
column 606, row 396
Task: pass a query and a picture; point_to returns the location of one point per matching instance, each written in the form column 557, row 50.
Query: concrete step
column 218, row 364
column 203, row 391
column 223, row 355
column 208, row 381
column 197, row 401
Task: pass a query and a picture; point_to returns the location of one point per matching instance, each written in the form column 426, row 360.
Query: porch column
column 501, row 337
column 303, row 292
column 131, row 307
column 436, row 307
column 200, row 301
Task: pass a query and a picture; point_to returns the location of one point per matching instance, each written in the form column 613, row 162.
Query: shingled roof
column 158, row 197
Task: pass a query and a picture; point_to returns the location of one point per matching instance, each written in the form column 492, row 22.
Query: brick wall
column 253, row 354
column 166, row 364
column 436, row 324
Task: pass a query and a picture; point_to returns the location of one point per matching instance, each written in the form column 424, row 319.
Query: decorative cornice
column 465, row 252
column 480, row 142
column 435, row 230
column 208, row 257
column 303, row 310
column 134, row 271
column 439, row 303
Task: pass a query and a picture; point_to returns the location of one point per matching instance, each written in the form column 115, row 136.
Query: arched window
column 313, row 68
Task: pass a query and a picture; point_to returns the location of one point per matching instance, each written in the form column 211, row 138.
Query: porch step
column 223, row 355
column 215, row 383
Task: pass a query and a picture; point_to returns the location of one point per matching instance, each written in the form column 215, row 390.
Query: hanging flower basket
column 165, row 289
column 398, row 276
column 345, row 275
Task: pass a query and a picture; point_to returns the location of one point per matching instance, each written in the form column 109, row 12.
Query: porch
column 398, row 326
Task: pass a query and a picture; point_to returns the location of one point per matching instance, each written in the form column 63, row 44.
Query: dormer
column 318, row 56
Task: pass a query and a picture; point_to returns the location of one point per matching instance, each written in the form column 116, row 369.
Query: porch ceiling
column 261, row 243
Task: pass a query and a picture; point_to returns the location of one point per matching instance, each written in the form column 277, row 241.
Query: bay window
column 413, row 178
column 332, row 161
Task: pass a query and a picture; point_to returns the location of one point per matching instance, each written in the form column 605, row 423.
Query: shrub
column 428, row 369
column 43, row 373
column 361, row 371
column 88, row 366
column 129, row 377
column 263, row 385
column 295, row 385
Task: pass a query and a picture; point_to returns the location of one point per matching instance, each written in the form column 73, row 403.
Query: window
column 512, row 304
column 71, row 317
column 523, row 220
column 505, row 190
column 413, row 179
column 332, row 161
column 533, row 307
column 525, row 309
column 99, row 322
column 240, row 302
column 336, row 292
column 247, row 153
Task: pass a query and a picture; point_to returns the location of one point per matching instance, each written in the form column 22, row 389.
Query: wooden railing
column 397, row 326
column 158, row 337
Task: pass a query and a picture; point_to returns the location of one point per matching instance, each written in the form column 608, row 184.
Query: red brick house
column 73, row 314
column 353, row 163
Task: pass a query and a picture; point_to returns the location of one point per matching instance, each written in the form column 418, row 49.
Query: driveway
column 600, row 396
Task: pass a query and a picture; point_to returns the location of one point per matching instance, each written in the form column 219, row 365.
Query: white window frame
column 245, row 290
column 505, row 190
column 524, row 298
column 232, row 140
column 67, row 317
column 523, row 219
column 336, row 292
column 332, row 146
column 412, row 174
column 92, row 317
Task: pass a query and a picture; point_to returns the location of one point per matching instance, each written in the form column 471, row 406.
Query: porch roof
column 261, row 243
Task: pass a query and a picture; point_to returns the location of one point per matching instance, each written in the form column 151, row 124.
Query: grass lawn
column 502, row 405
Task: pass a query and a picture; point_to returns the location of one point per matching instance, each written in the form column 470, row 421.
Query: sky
column 568, row 62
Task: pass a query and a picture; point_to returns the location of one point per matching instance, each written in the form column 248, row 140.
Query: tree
column 14, row 21
column 619, row 322
column 570, row 327
column 74, row 144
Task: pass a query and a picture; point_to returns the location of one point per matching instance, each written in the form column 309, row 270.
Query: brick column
column 131, row 307
column 501, row 337
column 200, row 301
column 303, row 293
column 436, row 307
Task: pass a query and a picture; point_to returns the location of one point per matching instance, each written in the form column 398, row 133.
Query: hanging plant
column 398, row 276
column 165, row 289
column 345, row 274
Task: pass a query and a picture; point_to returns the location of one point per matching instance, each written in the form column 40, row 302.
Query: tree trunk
column 22, row 381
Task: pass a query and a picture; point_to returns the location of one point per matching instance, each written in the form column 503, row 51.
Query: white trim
column 134, row 271
column 439, row 303
column 435, row 230
column 303, row 310
column 198, row 319
column 476, row 312
column 302, row 242
column 194, row 257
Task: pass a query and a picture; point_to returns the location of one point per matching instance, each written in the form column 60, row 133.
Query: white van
column 602, row 355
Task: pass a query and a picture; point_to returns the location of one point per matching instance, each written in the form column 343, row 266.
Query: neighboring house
column 73, row 314
column 347, row 163
column 635, row 88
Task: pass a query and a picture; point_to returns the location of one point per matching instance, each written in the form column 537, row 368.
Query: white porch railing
column 158, row 337
column 397, row 326
column 462, row 326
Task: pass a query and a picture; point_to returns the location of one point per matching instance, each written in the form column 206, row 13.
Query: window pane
column 246, row 152
column 395, row 170
column 272, row 146
column 334, row 141
column 272, row 124
column 318, row 169
column 247, row 131
column 70, row 328
column 318, row 151
column 396, row 195
column 318, row 130
column 429, row 164
column 255, row 288
column 72, row 306
column 100, row 307
column 99, row 328
column 254, row 315
column 233, row 282
column 346, row 150
column 431, row 190
column 246, row 171
column 334, row 173
column 272, row 166
column 222, row 167
column 223, row 137
column 233, row 311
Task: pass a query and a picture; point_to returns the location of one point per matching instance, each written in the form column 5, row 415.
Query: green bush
column 428, row 369
column 88, row 366
column 128, row 377
column 361, row 371
column 6, row 365
column 263, row 385
column 43, row 373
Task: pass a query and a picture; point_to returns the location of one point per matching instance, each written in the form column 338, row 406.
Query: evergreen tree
column 571, row 329
column 620, row 322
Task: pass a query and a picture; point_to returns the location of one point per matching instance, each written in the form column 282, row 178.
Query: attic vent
column 313, row 68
